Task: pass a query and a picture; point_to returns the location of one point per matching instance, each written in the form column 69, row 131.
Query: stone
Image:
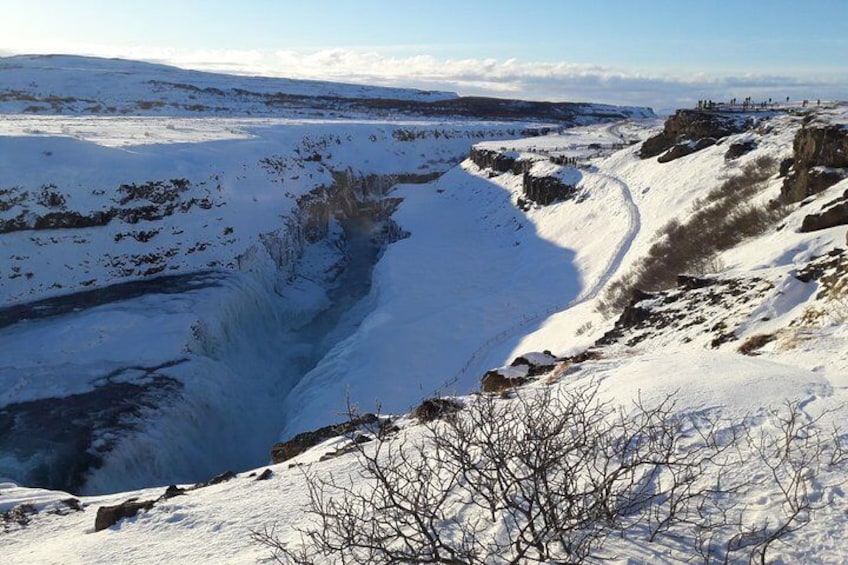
column 736, row 150
column 108, row 516
column 172, row 491
column 436, row 408
column 833, row 216
column 505, row 378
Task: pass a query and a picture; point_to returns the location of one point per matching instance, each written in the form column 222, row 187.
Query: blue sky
column 614, row 50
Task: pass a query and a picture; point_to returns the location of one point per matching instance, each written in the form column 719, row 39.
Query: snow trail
column 623, row 247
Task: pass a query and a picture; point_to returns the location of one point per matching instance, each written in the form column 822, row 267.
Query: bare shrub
column 551, row 475
column 755, row 343
column 720, row 220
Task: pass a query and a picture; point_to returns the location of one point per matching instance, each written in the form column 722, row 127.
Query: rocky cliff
column 689, row 130
column 820, row 160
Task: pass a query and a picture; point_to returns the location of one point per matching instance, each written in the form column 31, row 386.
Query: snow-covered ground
column 477, row 283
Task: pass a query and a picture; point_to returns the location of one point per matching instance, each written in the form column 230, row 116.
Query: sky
column 660, row 53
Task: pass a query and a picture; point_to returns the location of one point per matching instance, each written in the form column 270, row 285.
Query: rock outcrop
column 501, row 162
column 108, row 516
column 537, row 363
column 820, row 161
column 284, row 451
column 834, row 213
column 504, row 378
column 684, row 149
column 694, row 125
column 546, row 190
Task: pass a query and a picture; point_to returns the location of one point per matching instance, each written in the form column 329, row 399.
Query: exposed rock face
column 148, row 201
column 108, row 516
column 693, row 125
column 834, row 213
column 736, row 150
column 820, row 153
column 505, row 378
column 546, row 190
column 684, row 149
column 284, row 451
column 495, row 160
column 715, row 306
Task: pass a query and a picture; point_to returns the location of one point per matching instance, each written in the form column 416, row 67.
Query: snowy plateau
column 202, row 275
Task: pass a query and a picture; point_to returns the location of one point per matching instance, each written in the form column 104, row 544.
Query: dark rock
column 785, row 166
column 546, row 190
column 107, row 516
column 736, row 150
column 632, row 313
column 690, row 282
column 655, row 145
column 684, row 149
column 693, row 125
column 355, row 441
column 496, row 160
column 265, row 475
column 816, row 147
column 496, row 381
column 582, row 357
column 436, row 408
column 222, row 478
column 536, row 363
column 172, row 491
column 833, row 216
column 73, row 503
column 676, row 152
column 631, row 316
column 284, row 451
column 21, row 515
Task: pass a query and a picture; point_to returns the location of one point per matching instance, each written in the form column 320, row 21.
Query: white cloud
column 558, row 81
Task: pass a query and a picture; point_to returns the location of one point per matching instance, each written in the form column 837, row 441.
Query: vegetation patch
column 719, row 221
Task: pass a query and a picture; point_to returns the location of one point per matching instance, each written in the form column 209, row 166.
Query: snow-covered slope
column 384, row 307
column 70, row 85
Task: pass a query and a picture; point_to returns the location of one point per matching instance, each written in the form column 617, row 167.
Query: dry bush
column 719, row 221
column 549, row 477
column 755, row 343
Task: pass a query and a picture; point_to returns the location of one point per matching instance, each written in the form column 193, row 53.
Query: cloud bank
column 556, row 81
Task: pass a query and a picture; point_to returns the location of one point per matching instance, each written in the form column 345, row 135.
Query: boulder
column 833, row 214
column 107, row 516
column 172, row 491
column 684, row 149
column 736, row 150
column 504, row 378
column 436, row 408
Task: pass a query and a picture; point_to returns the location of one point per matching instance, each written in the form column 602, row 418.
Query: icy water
column 142, row 425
